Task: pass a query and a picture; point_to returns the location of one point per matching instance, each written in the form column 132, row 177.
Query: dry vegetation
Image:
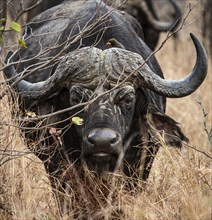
column 179, row 186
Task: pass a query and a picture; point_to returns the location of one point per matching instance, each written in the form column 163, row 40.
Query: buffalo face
column 107, row 120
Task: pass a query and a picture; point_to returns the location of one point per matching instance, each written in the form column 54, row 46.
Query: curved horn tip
column 200, row 48
column 194, row 38
column 197, row 42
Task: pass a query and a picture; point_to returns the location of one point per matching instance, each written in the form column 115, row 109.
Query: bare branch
column 28, row 9
column 208, row 131
column 200, row 151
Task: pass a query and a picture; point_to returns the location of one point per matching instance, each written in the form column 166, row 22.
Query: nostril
column 91, row 137
column 102, row 136
column 114, row 139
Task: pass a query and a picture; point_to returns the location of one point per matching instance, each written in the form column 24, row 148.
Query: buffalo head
column 106, row 81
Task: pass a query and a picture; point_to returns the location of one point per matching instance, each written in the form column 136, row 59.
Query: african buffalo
column 85, row 59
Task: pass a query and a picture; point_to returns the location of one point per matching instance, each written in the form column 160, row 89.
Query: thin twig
column 28, row 9
column 200, row 151
column 205, row 114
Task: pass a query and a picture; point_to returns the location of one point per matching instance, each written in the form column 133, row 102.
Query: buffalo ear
column 162, row 126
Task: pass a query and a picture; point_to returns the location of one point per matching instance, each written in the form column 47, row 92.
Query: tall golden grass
column 179, row 186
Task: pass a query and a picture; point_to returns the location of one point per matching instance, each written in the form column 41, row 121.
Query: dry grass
column 179, row 186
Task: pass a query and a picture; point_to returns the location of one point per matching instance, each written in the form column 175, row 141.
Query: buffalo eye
column 125, row 99
column 75, row 100
column 78, row 95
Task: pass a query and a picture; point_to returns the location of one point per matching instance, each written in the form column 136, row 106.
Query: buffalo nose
column 102, row 136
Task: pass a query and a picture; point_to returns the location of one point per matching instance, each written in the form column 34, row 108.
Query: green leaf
column 2, row 20
column 1, row 28
column 22, row 43
column 1, row 38
column 77, row 121
column 15, row 26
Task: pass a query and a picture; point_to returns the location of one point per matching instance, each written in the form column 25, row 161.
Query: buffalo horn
column 177, row 88
column 71, row 69
column 161, row 25
column 30, row 90
column 83, row 66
